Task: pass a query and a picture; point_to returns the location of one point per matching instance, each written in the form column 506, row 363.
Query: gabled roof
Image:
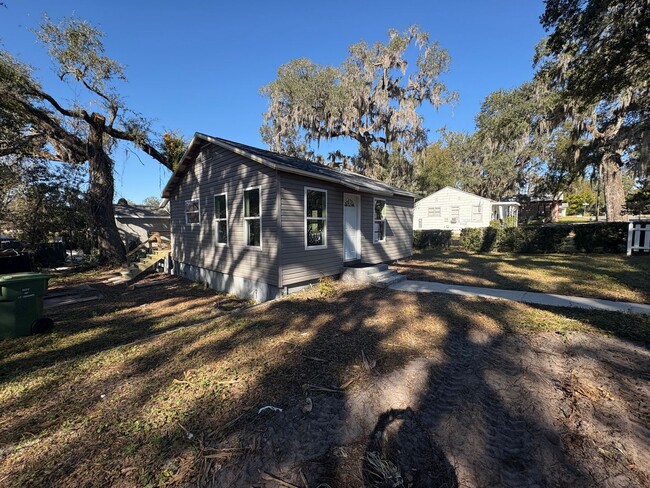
column 284, row 163
column 139, row 212
column 494, row 202
column 456, row 190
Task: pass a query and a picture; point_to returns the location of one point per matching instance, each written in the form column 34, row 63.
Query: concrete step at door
column 386, row 278
column 378, row 275
column 361, row 274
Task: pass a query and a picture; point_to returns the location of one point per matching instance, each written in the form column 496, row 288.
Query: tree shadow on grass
column 85, row 329
column 292, row 441
column 567, row 271
column 183, row 408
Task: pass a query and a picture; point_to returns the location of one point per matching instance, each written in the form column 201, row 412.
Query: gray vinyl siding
column 283, row 259
column 300, row 264
column 216, row 171
column 399, row 229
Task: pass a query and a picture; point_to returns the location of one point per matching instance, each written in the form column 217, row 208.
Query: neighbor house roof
column 284, row 163
column 494, row 202
column 139, row 212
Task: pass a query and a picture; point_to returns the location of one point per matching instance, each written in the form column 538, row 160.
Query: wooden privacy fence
column 638, row 236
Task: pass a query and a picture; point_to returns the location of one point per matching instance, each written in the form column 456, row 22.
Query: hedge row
column 431, row 239
column 610, row 237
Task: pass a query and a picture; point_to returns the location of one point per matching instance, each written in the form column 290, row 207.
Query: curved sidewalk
column 522, row 296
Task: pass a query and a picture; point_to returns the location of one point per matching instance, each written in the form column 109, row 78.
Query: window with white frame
column 221, row 218
column 192, row 209
column 433, row 212
column 315, row 218
column 379, row 217
column 419, row 223
column 455, row 214
column 253, row 217
column 477, row 212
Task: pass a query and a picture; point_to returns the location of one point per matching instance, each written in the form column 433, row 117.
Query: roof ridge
column 290, row 164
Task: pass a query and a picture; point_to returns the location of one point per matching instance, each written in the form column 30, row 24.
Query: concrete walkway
column 521, row 296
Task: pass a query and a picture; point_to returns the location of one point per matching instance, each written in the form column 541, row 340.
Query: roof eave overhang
column 178, row 174
column 182, row 166
column 294, row 171
column 505, row 204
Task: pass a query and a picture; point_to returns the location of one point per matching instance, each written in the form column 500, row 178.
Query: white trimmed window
column 315, row 218
column 379, row 224
column 253, row 217
column 221, row 219
column 477, row 213
column 434, row 212
column 455, row 214
column 192, row 208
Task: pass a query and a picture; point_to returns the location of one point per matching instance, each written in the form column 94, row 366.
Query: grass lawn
column 86, row 407
column 578, row 219
column 607, row 276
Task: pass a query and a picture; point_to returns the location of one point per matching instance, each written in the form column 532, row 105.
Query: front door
column 351, row 227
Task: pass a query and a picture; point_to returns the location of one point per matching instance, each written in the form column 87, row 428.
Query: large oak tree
column 34, row 124
column 372, row 97
column 597, row 58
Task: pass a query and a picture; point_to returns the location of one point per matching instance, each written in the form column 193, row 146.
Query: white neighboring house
column 453, row 209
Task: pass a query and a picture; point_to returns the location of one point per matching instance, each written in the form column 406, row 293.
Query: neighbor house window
column 221, row 218
column 379, row 227
column 419, row 223
column 455, row 214
column 252, row 217
column 434, row 212
column 192, row 211
column 476, row 213
column 315, row 218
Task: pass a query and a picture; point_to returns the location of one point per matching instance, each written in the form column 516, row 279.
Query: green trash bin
column 21, row 304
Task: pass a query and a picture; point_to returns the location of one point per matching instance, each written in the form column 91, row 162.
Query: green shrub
column 532, row 239
column 509, row 222
column 431, row 239
column 471, row 239
column 326, row 287
column 490, row 238
column 597, row 237
column 610, row 237
column 549, row 238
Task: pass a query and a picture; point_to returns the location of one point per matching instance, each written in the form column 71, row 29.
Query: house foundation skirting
column 257, row 291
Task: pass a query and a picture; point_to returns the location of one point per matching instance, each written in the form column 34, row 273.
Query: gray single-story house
column 259, row 224
column 136, row 223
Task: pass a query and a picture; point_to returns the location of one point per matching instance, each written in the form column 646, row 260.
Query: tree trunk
column 613, row 187
column 100, row 196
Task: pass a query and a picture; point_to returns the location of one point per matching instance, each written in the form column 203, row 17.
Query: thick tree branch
column 143, row 145
column 76, row 114
column 113, row 107
column 54, row 133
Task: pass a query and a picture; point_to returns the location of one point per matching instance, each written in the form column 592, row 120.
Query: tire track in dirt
column 460, row 390
column 501, row 409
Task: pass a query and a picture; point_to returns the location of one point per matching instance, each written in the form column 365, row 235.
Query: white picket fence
column 638, row 236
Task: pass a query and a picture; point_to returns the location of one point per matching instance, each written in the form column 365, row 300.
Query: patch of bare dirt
column 374, row 385
column 489, row 409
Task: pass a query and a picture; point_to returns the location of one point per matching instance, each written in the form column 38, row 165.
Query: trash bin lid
column 15, row 277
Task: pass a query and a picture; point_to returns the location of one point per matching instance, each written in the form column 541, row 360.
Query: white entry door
column 351, row 227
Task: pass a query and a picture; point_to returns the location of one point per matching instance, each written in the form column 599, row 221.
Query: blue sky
column 198, row 65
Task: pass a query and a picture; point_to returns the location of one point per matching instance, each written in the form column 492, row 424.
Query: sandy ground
column 491, row 409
